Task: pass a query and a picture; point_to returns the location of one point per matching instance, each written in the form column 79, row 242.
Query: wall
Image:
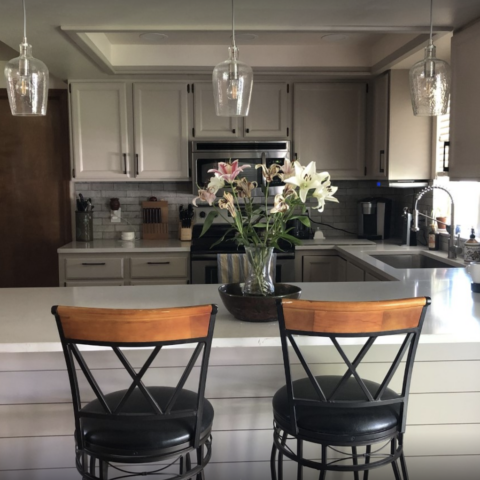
column 342, row 215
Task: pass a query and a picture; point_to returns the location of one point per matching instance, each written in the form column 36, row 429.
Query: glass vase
column 261, row 268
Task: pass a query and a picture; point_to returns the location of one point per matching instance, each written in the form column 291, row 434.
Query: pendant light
column 430, row 81
column 27, row 80
column 232, row 83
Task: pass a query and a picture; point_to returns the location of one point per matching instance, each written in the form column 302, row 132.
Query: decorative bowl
column 251, row 308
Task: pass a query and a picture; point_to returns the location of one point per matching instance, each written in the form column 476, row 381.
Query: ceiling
column 98, row 39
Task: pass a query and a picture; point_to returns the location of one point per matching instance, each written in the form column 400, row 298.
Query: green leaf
column 260, row 225
column 289, row 238
column 305, row 221
column 208, row 221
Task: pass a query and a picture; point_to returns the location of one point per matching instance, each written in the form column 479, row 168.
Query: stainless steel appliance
column 374, row 215
column 203, row 257
column 206, row 155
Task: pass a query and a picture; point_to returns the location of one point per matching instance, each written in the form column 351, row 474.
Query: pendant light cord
column 24, row 22
column 233, row 24
column 431, row 21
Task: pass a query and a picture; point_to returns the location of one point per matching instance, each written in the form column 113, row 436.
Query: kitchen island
column 443, row 434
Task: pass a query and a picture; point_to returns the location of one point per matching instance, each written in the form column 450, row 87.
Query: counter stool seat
column 122, row 436
column 339, row 425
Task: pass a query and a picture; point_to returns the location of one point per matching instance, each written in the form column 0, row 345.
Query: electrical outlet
column 116, row 215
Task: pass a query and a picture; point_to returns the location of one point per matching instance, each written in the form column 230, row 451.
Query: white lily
column 325, row 192
column 306, row 178
column 216, row 183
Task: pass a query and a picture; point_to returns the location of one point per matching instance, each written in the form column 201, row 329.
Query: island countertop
column 454, row 316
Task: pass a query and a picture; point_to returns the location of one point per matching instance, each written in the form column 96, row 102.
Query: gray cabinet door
column 101, row 130
column 323, row 268
column 329, row 127
column 268, row 115
column 465, row 105
column 161, row 131
column 354, row 273
column 206, row 122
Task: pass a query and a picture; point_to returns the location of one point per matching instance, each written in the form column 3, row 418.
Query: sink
column 415, row 260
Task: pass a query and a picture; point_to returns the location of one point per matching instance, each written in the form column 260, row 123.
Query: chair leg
column 367, row 461
column 280, row 457
column 355, row 462
column 396, row 472
column 273, row 471
column 403, row 464
column 103, row 466
column 323, row 473
column 300, row 457
column 180, row 467
column 200, row 475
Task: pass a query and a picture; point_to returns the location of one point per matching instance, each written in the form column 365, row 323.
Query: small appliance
column 374, row 216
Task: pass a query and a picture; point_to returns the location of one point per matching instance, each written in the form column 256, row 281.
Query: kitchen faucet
column 453, row 250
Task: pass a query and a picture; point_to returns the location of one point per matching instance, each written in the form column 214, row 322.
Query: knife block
column 155, row 220
column 184, row 234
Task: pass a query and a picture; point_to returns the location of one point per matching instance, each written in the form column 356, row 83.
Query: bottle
column 471, row 248
column 432, row 237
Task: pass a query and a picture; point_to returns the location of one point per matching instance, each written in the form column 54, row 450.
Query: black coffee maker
column 374, row 215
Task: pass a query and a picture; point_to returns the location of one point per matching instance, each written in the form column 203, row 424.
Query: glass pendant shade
column 232, row 86
column 430, row 85
column 27, row 83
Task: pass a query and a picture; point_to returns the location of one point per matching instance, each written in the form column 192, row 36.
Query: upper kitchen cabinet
column 464, row 161
column 401, row 143
column 102, row 141
column 268, row 116
column 131, row 132
column 161, row 131
column 329, row 127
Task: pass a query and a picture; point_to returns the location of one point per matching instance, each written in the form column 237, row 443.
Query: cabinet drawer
column 158, row 267
column 80, row 268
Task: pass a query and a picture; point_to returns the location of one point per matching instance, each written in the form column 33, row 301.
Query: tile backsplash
column 341, row 215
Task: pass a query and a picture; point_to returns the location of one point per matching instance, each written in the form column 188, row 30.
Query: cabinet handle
column 136, row 164
column 446, row 152
column 125, row 163
column 296, row 156
column 233, row 130
column 94, row 263
column 158, row 263
column 247, row 130
column 382, row 160
column 288, row 132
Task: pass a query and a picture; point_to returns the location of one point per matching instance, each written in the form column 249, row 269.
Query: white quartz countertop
column 454, row 316
column 123, row 246
column 171, row 245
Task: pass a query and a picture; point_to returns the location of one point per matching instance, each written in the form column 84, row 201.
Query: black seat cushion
column 318, row 422
column 122, row 436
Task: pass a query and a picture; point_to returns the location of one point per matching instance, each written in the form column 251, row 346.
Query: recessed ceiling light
column 335, row 37
column 153, row 37
column 245, row 37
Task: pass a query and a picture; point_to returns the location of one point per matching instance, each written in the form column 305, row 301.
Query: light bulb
column 22, row 86
column 232, row 89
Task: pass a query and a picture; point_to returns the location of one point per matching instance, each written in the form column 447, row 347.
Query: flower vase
column 261, row 267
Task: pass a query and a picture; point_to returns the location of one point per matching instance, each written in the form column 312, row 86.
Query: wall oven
column 206, row 155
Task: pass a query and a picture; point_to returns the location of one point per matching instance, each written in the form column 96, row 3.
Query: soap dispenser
column 472, row 249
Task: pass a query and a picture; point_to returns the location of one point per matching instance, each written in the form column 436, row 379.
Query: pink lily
column 207, row 195
column 228, row 171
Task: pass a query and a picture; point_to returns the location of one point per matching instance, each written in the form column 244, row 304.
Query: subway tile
column 110, row 235
column 139, row 193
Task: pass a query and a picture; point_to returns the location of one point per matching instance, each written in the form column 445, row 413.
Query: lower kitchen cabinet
column 104, row 269
column 323, row 268
column 354, row 273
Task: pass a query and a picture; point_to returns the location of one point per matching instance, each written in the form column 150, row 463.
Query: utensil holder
column 84, row 226
column 155, row 220
column 184, row 234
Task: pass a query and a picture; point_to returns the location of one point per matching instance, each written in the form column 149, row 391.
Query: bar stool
column 141, row 424
column 347, row 422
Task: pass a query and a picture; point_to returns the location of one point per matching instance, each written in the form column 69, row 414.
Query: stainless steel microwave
column 206, row 156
